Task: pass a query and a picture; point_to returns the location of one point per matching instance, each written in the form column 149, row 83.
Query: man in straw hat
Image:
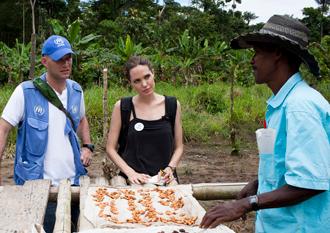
column 291, row 193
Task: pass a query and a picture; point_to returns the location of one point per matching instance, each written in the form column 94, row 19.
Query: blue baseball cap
column 56, row 47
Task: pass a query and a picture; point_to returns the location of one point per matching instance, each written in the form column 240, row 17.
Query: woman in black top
column 151, row 145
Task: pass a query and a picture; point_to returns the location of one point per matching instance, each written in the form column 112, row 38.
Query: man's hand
column 86, row 156
column 225, row 212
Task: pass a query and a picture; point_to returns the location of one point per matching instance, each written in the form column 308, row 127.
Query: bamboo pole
column 201, row 191
column 105, row 105
column 216, row 191
column 63, row 209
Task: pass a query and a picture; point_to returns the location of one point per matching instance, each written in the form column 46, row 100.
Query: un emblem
column 59, row 42
column 74, row 109
column 38, row 110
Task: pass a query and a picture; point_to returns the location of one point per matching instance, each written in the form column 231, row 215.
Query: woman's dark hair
column 135, row 61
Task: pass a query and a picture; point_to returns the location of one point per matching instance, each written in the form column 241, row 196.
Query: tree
column 324, row 8
column 11, row 21
column 33, row 41
column 312, row 19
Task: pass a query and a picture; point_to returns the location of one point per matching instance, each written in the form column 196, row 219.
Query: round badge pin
column 139, row 126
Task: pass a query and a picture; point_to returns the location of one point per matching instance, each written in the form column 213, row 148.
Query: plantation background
column 189, row 47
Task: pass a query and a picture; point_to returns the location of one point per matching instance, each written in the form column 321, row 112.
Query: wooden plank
column 37, row 195
column 83, row 223
column 23, row 206
column 11, row 205
column 63, row 209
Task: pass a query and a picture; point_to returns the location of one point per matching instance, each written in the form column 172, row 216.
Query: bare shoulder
column 117, row 104
column 116, row 107
column 178, row 103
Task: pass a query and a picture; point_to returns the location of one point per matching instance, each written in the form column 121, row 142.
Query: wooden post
column 63, row 209
column 108, row 166
column 105, row 105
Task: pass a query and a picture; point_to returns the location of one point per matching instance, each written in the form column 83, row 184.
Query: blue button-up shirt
column 301, row 117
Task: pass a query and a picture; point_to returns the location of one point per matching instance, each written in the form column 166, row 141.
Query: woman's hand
column 138, row 178
column 167, row 175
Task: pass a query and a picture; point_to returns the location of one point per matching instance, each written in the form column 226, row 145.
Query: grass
column 205, row 108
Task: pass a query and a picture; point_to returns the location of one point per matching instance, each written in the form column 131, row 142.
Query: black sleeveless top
column 149, row 145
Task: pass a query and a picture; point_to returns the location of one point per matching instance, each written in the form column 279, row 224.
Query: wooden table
column 23, row 207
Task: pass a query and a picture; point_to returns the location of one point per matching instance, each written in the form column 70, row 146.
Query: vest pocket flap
column 37, row 124
column 36, row 136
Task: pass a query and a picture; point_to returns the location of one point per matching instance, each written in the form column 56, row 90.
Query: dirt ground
column 201, row 163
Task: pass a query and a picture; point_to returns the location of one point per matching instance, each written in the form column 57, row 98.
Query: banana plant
column 72, row 33
column 189, row 54
column 123, row 50
column 127, row 48
column 15, row 61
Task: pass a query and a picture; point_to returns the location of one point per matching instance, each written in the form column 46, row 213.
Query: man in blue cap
column 47, row 146
column 292, row 192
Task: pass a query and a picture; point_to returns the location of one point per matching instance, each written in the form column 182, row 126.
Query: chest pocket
column 36, row 136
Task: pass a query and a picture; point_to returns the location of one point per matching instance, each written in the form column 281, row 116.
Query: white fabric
column 59, row 162
column 191, row 208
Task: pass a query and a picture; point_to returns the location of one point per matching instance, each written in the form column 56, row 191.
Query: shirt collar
column 276, row 100
column 43, row 77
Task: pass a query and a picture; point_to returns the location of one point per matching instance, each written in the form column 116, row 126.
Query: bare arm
column 112, row 142
column 229, row 211
column 83, row 131
column 84, row 135
column 178, row 142
column 5, row 128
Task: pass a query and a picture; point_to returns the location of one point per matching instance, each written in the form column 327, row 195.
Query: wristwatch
column 91, row 147
column 253, row 200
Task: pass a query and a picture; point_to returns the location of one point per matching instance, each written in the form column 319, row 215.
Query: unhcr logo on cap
column 59, row 42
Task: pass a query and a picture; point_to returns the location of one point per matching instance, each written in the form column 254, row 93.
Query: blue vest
column 32, row 135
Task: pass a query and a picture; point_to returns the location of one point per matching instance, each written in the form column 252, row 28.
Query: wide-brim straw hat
column 284, row 31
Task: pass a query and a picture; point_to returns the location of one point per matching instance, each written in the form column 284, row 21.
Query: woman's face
column 142, row 80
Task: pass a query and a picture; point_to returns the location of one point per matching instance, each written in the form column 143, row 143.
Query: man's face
column 60, row 69
column 264, row 64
